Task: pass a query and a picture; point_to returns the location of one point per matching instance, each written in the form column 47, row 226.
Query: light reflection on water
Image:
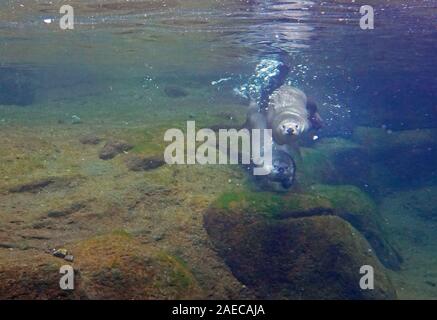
column 330, row 56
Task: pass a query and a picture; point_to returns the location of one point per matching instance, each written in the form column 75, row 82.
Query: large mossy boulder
column 347, row 202
column 31, row 274
column 358, row 209
column 111, row 266
column 117, row 266
column 306, row 255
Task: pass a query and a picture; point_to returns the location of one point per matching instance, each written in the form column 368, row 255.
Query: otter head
column 290, row 127
column 282, row 169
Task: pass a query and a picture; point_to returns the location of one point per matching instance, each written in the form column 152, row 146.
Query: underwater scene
column 109, row 189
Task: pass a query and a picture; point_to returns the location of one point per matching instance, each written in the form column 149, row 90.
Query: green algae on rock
column 347, row 202
column 110, row 266
column 357, row 208
column 136, row 163
column 113, row 148
column 272, row 205
column 380, row 140
column 316, row 257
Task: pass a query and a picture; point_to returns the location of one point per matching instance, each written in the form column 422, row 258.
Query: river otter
column 289, row 114
column 283, row 167
column 282, row 170
column 284, row 109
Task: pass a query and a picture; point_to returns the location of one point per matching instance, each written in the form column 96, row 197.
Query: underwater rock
column 110, row 266
column 90, row 139
column 366, row 164
column 60, row 253
column 113, row 148
column 421, row 202
column 75, row 120
column 33, row 274
column 381, row 141
column 33, row 186
column 120, row 267
column 136, row 163
column 175, row 92
column 273, row 205
column 316, row 257
column 6, row 245
column 354, row 206
column 67, row 211
column 46, row 184
column 347, row 202
column 320, row 164
column 69, row 258
column 397, row 159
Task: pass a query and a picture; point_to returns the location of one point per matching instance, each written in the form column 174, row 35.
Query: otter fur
column 282, row 170
column 289, row 114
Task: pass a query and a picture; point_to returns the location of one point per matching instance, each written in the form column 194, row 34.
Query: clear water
column 111, row 71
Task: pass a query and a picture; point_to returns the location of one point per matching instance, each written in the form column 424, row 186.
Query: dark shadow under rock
column 46, row 184
column 315, row 257
column 175, row 92
column 33, row 186
column 75, row 207
column 136, row 163
column 113, row 148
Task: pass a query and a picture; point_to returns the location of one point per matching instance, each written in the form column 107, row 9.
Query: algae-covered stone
column 375, row 158
column 32, row 274
column 347, row 202
column 315, row 257
column 273, row 205
column 111, row 266
column 116, row 266
column 421, row 202
column 91, row 139
column 136, row 163
column 357, row 208
column 333, row 161
column 113, row 148
column 380, row 140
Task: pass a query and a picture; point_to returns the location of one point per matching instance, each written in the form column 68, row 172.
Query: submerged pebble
column 69, row 258
column 60, row 253
column 113, row 148
column 75, row 119
column 90, row 139
column 136, row 163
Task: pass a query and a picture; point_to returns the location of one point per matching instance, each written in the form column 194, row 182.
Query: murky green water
column 151, row 65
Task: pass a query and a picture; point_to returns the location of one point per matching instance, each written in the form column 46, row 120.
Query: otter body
column 283, row 167
column 285, row 110
column 288, row 114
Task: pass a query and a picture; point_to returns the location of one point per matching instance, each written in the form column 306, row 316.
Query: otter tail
column 270, row 74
